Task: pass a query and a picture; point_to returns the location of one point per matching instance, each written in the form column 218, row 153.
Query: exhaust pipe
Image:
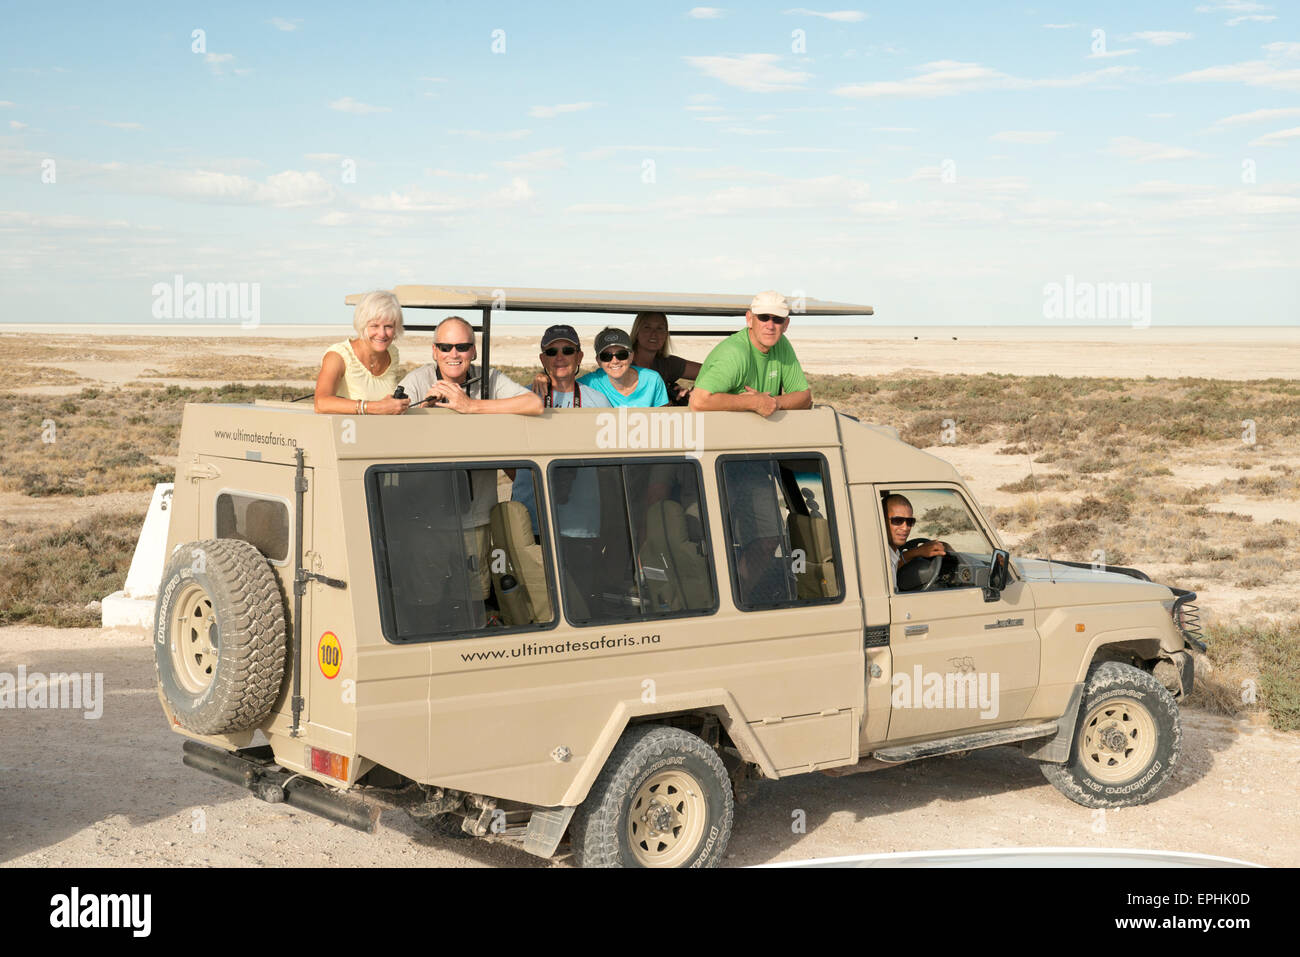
column 273, row 785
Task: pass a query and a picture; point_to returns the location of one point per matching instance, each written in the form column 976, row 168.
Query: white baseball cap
column 770, row 303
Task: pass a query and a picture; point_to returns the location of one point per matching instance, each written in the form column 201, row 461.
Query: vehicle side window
column 942, row 514
column 631, row 541
column 262, row 522
column 780, row 531
column 455, row 556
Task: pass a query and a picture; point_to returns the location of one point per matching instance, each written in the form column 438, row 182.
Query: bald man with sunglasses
column 755, row 369
column 899, row 521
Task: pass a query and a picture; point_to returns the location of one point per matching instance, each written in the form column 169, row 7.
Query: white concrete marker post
column 133, row 606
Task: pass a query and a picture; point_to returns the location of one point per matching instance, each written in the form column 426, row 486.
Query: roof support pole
column 483, row 388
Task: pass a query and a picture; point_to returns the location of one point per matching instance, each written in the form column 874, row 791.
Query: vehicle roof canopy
column 521, row 299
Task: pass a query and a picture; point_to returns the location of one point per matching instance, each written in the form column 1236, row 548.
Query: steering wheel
column 930, row 574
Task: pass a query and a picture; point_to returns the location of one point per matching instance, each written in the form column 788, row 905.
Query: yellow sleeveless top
column 357, row 381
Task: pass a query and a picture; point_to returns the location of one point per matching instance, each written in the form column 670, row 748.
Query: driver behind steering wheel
column 898, row 517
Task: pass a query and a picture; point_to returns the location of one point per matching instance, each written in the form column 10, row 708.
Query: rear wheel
column 663, row 799
column 1126, row 741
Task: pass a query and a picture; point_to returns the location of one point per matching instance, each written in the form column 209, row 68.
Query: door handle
column 915, row 629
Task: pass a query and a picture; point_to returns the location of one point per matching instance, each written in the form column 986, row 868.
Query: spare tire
column 219, row 636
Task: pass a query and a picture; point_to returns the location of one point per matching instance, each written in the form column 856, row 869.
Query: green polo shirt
column 734, row 363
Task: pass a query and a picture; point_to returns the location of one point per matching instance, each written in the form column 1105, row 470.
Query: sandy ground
column 116, row 358
column 113, row 792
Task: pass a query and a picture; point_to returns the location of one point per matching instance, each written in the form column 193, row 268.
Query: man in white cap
column 754, row 369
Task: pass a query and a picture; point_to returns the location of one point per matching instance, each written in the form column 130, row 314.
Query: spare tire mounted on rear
column 219, row 636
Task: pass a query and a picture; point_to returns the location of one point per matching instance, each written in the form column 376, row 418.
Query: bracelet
column 363, row 407
column 358, row 411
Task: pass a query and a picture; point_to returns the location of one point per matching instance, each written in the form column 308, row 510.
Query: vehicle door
column 960, row 662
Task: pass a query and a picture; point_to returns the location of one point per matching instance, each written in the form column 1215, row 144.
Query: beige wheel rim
column 1119, row 738
column 666, row 819
column 194, row 640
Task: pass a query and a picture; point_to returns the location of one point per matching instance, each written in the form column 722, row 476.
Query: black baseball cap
column 611, row 337
column 561, row 333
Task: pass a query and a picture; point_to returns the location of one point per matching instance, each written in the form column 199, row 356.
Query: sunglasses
column 553, row 351
column 621, row 355
column 764, row 317
column 902, row 520
column 458, row 346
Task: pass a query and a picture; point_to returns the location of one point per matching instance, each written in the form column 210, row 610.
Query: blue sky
column 941, row 163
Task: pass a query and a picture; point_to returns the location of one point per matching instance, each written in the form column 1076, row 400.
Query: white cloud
column 1256, row 116
column 749, row 131
column 434, row 79
column 704, row 108
column 334, row 218
column 840, row 16
column 705, row 13
column 1275, row 139
column 415, row 201
column 802, row 149
column 1268, row 73
column 1252, row 18
column 348, row 105
column 121, row 126
column 1025, row 136
column 490, row 135
column 950, row 77
column 517, row 192
column 550, row 112
column 288, row 189
column 1160, row 38
column 536, row 161
column 218, row 61
column 6, row 103
column 16, row 125
column 755, row 72
column 605, row 152
column 288, row 26
column 1130, row 147
column 1232, row 6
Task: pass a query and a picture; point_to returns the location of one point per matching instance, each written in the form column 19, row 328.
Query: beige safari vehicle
column 593, row 624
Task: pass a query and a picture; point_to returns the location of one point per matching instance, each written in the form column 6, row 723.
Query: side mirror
column 999, row 571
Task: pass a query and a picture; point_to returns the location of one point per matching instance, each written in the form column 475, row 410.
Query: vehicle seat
column 675, row 571
column 512, row 532
column 812, row 535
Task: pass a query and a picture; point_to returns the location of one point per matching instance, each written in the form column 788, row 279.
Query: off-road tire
column 219, row 636
column 656, row 777
column 1119, row 699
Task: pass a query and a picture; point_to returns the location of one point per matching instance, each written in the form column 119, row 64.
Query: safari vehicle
column 351, row 619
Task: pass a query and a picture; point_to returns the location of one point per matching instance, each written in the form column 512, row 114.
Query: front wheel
column 1126, row 741
column 663, row 799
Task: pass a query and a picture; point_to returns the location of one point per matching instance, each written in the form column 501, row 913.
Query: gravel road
column 112, row 791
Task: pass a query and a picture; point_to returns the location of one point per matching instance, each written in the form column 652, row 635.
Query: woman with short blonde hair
column 358, row 376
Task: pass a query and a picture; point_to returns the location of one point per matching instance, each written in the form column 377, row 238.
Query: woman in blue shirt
column 618, row 380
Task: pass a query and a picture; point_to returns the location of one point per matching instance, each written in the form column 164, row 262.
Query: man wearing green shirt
column 755, row 369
